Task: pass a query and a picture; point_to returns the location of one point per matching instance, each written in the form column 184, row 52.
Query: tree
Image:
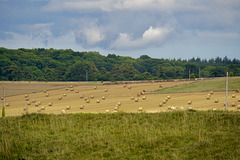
column 81, row 71
column 192, row 76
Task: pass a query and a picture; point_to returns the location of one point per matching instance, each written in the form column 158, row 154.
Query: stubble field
column 44, row 97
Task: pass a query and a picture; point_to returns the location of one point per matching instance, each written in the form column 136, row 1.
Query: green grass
column 218, row 84
column 170, row 135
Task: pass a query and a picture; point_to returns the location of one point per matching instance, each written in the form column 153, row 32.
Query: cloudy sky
column 158, row 28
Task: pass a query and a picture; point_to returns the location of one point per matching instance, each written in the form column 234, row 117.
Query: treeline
column 67, row 65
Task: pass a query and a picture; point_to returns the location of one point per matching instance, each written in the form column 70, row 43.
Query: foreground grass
column 218, row 84
column 172, row 135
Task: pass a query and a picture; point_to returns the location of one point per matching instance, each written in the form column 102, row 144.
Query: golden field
column 27, row 94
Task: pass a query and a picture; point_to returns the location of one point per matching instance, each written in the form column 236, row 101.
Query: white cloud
column 151, row 37
column 92, row 36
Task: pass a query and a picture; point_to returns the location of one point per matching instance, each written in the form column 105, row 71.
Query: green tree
column 82, row 71
column 192, row 76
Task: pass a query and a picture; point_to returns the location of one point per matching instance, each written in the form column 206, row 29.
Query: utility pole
column 189, row 74
column 4, row 95
column 199, row 72
column 86, row 75
column 226, row 91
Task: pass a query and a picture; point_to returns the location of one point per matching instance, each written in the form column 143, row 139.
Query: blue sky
column 158, row 28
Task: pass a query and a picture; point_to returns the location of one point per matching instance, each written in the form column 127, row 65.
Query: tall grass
column 170, row 135
column 218, row 84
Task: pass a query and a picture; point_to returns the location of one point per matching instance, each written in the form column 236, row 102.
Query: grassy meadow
column 217, row 84
column 185, row 134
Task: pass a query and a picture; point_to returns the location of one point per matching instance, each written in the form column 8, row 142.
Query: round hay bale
column 28, row 103
column 39, row 110
column 169, row 107
column 26, row 96
column 42, row 107
column 239, row 100
column 39, row 103
column 233, row 104
column 64, row 111
column 71, row 86
column 81, row 96
column 27, row 99
column 216, row 101
column 47, row 95
column 77, row 91
column 60, row 98
column 33, row 101
column 233, row 95
column 8, row 104
column 144, row 90
column 160, row 104
column 142, row 93
column 64, row 95
column 189, row 102
column 132, row 98
column 115, row 111
column 86, row 98
column 36, row 104
column 144, row 98
column 173, row 108
column 107, row 110
column 105, row 90
column 208, row 97
column 103, row 97
column 25, row 108
column 97, row 101
column 124, row 86
column 211, row 92
column 116, row 108
column 95, row 87
column 87, row 101
column 68, row 107
column 129, row 87
column 164, row 101
column 237, row 90
column 71, row 89
column 168, row 97
column 92, row 96
column 138, row 95
column 214, row 109
column 181, row 108
column 50, row 104
column 238, row 106
column 140, row 109
column 44, row 91
column 189, row 108
column 81, row 106
column 66, row 88
column 136, row 99
column 160, row 86
column 1, row 98
column 119, row 103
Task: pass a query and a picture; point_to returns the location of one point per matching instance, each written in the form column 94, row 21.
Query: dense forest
column 67, row 65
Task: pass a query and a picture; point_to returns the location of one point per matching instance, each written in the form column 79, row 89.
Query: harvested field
column 15, row 94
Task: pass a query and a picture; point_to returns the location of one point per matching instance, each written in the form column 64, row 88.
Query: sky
column 158, row 28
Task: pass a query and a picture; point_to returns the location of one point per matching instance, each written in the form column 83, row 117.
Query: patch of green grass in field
column 170, row 135
column 218, row 84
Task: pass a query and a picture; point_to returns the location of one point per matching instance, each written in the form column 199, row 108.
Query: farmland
column 180, row 92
